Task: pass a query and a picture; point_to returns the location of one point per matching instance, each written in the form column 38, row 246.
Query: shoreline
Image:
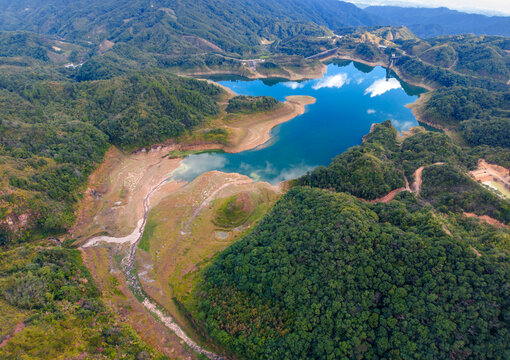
column 396, row 70
column 309, row 74
column 257, row 132
column 248, row 132
column 145, row 178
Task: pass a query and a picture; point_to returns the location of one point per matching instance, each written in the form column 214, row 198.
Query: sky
column 490, row 7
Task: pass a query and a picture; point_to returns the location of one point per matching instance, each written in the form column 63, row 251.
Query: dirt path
column 391, row 195
column 416, row 187
column 487, row 219
column 18, row 328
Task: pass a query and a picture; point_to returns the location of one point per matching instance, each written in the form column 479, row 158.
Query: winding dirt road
column 416, row 187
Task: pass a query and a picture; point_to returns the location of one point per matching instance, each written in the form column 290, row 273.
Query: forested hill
column 430, row 22
column 328, row 275
column 54, row 133
column 181, row 26
column 325, row 276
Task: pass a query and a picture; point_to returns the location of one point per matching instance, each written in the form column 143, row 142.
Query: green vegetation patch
column 326, row 276
column 449, row 190
column 55, row 133
column 66, row 318
column 367, row 171
column 251, row 104
column 178, row 154
column 235, row 211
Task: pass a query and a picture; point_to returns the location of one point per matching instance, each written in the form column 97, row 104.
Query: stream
column 350, row 98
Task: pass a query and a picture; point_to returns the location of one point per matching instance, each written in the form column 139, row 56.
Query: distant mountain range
column 430, row 22
column 183, row 27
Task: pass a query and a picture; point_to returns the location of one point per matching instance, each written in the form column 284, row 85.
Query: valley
column 241, row 180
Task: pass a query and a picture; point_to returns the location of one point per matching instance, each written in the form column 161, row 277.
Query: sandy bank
column 113, row 202
column 305, row 74
column 256, row 130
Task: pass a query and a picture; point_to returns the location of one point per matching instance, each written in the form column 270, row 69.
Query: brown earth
column 490, row 172
column 487, row 219
column 105, row 45
column 304, row 74
column 256, row 130
column 113, row 202
column 117, row 295
column 184, row 237
column 416, row 186
column 18, row 328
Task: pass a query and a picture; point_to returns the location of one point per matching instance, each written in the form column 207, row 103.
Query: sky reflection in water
column 350, row 98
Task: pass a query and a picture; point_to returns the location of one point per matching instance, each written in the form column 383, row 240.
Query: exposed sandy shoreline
column 112, row 205
column 113, row 209
column 311, row 73
column 257, row 131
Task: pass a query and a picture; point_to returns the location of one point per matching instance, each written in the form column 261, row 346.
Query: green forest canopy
column 55, row 133
column 326, row 276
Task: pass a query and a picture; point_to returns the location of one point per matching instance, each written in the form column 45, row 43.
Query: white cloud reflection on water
column 195, row 165
column 294, row 85
column 335, row 81
column 402, row 125
column 382, row 86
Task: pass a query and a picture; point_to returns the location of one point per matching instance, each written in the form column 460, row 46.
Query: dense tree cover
column 493, row 155
column 454, row 105
column 430, row 22
column 325, row 276
column 463, row 60
column 251, row 104
column 426, row 148
column 366, row 171
column 380, row 165
column 53, row 134
column 22, row 44
column 449, row 190
column 167, row 27
column 304, row 45
column 441, row 55
column 67, row 317
column 482, row 116
column 367, row 51
column 491, row 131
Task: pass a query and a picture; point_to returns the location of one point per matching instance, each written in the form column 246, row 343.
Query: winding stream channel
column 350, row 98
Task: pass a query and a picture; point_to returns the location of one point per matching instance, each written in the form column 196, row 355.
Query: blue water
column 350, row 98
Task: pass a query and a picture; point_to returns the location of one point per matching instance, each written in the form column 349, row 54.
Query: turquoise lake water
column 350, row 98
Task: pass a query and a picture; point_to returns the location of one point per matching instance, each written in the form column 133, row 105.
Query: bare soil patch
column 492, row 173
column 185, row 236
column 487, row 219
column 416, row 187
column 113, row 202
column 254, row 130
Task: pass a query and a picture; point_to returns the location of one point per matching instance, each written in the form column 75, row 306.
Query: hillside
column 177, row 27
column 324, row 275
column 431, row 22
column 398, row 249
column 376, row 279
column 54, row 134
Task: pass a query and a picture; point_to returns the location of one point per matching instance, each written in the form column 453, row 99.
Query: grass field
column 183, row 235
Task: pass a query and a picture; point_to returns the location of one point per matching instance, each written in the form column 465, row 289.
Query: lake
column 350, row 98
